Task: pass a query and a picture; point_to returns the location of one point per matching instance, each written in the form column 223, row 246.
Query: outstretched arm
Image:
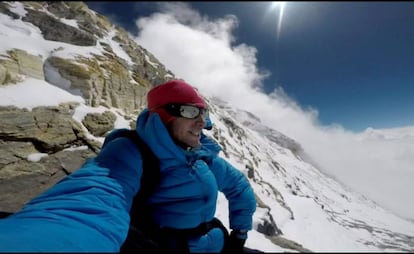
column 87, row 211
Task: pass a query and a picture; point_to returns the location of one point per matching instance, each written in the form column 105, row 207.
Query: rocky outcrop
column 102, row 79
column 38, row 148
column 3, row 74
column 99, row 124
column 54, row 30
column 18, row 62
column 22, row 179
column 49, row 128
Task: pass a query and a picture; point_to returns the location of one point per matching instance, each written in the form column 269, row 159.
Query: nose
column 201, row 121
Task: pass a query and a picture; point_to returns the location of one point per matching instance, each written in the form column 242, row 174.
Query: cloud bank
column 205, row 53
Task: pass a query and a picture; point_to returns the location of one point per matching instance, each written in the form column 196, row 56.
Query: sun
column 281, row 6
column 277, row 4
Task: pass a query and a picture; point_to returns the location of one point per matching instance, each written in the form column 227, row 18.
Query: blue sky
column 351, row 61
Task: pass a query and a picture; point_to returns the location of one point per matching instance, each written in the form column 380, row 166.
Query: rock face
column 43, row 131
column 102, row 79
column 17, row 63
column 99, row 124
column 40, row 146
column 48, row 128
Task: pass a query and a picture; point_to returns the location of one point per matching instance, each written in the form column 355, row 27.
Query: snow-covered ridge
column 306, row 205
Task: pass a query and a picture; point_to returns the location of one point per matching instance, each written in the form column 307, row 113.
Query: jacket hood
column 151, row 129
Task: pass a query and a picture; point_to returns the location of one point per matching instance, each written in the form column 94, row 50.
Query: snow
column 32, row 92
column 116, row 47
column 35, row 157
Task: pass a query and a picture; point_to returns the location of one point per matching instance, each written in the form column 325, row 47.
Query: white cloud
column 203, row 52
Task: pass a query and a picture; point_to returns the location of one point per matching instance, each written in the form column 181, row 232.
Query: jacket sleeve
column 87, row 211
column 237, row 189
column 123, row 159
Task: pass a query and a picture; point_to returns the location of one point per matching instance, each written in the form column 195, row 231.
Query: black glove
column 236, row 241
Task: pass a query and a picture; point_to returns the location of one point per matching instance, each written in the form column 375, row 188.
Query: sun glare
column 280, row 6
column 277, row 4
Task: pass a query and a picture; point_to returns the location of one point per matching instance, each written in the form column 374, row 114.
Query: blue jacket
column 88, row 210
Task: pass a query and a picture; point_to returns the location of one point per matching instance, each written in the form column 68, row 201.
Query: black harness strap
column 4, row 214
column 143, row 234
column 181, row 235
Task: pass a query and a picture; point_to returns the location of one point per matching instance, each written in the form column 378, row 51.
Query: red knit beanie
column 174, row 91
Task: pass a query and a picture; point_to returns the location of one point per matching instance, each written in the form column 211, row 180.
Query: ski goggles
column 186, row 111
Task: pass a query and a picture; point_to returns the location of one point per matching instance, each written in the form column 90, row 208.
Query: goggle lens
column 186, row 111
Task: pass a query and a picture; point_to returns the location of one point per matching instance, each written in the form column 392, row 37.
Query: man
column 88, row 210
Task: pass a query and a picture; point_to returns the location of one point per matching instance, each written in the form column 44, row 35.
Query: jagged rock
column 4, row 8
column 93, row 24
column 105, row 81
column 17, row 63
column 22, row 180
column 102, row 79
column 13, row 151
column 266, row 228
column 99, row 124
column 146, row 67
column 23, row 167
column 54, row 30
column 17, row 191
column 3, row 74
column 288, row 244
column 48, row 128
column 250, row 171
column 29, row 65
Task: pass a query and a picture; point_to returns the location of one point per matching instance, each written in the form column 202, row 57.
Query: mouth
column 195, row 133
